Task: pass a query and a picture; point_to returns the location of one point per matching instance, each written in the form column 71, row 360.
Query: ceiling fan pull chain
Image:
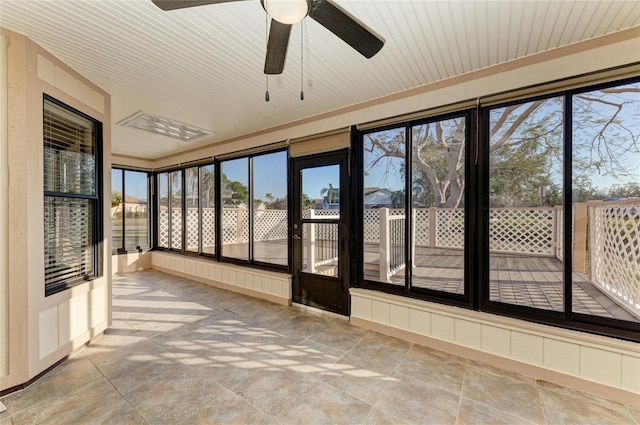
column 266, row 94
column 266, row 43
column 302, row 60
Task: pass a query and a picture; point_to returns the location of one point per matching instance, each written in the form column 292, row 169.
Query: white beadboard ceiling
column 203, row 65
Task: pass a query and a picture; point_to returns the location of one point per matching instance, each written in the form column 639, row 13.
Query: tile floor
column 181, row 352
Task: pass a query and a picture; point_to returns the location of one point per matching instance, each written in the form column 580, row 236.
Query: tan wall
column 130, row 262
column 4, row 217
column 45, row 329
column 129, row 161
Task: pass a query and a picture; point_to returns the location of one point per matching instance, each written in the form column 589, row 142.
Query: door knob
column 296, row 236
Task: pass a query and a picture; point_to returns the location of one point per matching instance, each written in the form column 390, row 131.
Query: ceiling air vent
column 158, row 124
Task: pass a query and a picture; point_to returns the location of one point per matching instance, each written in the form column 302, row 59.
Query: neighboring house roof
column 128, row 198
column 335, row 198
column 378, row 198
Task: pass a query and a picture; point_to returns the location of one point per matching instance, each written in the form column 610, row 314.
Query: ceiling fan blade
column 345, row 26
column 277, row 47
column 182, row 4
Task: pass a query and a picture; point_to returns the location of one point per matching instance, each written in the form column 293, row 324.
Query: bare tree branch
column 516, row 124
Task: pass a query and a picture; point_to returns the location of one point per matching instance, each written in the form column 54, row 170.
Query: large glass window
column 163, row 210
column 438, row 187
column 175, row 209
column 129, row 210
column 208, row 212
column 192, row 200
column 430, row 235
column 564, row 196
column 605, row 220
column 525, row 203
column 235, row 208
column 72, row 226
column 270, row 225
column 254, row 208
column 384, row 218
column 186, row 209
column 170, row 210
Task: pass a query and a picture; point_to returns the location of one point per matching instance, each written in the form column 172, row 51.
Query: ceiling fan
column 285, row 13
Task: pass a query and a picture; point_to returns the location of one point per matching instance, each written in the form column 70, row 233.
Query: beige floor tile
column 140, row 373
column 67, row 377
column 474, row 413
column 411, row 401
column 566, row 406
column 339, row 334
column 509, row 392
column 323, row 404
column 109, row 353
column 435, row 367
column 302, row 325
column 176, row 398
column 383, row 350
column 228, row 408
column 274, row 392
column 359, row 377
column 78, row 406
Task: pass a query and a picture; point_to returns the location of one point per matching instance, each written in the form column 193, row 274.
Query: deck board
column 517, row 279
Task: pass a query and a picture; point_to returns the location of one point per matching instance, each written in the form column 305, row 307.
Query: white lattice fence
column 615, row 251
column 450, row 228
column 269, row 225
column 192, row 229
column 421, row 230
column 229, row 226
column 326, row 214
column 245, row 224
column 522, row 230
column 371, row 225
column 208, row 227
column 163, row 227
column 176, row 229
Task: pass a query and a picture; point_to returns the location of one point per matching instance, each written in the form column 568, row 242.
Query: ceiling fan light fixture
column 287, row 11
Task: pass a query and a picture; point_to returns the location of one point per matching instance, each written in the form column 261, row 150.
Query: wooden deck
column 515, row 279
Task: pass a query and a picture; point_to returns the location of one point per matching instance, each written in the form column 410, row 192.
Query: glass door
column 320, row 231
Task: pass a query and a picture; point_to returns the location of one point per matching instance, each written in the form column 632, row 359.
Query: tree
column 330, row 192
column 234, row 192
column 192, row 187
column 207, row 186
column 307, row 202
column 526, row 149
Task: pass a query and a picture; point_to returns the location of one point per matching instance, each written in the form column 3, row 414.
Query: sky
column 316, row 179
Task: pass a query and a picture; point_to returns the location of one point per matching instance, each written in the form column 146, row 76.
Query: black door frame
column 324, row 292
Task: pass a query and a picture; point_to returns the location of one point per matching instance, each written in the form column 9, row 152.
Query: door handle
column 296, row 236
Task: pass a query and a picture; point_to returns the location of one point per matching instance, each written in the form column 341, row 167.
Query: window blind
column 67, row 239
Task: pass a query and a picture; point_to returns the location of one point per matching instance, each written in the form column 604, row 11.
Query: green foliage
column 307, row 203
column 234, row 192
